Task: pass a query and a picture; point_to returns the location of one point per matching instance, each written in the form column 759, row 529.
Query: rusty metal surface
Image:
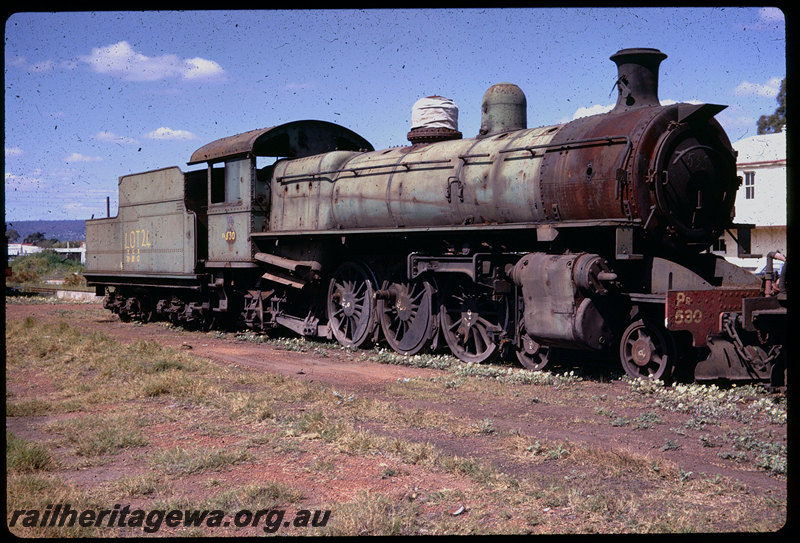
column 698, row 311
column 594, row 168
column 228, row 236
column 702, row 272
column 556, row 307
column 294, row 139
column 460, row 183
column 153, row 231
column 579, row 173
column 301, row 192
column 637, row 80
column 761, row 308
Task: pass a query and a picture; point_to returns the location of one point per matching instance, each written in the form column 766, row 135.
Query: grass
column 98, row 434
column 373, row 514
column 23, row 455
column 181, row 461
column 35, row 269
column 178, row 422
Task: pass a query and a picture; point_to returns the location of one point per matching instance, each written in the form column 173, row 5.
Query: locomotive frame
column 522, row 242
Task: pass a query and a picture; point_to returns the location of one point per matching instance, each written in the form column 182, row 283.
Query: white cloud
column 121, row 60
column 200, row 68
column 13, row 151
column 23, row 183
column 77, row 157
column 79, row 209
column 113, row 138
column 769, row 89
column 44, row 66
column 598, row 109
column 18, row 61
column 593, row 110
column 165, row 133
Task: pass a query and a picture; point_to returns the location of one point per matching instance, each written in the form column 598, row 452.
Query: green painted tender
column 155, row 232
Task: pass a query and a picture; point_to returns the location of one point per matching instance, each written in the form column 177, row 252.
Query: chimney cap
column 637, row 77
column 644, row 51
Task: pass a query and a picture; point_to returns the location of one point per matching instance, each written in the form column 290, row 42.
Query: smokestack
column 637, row 77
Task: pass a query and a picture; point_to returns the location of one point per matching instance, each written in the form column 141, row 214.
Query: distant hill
column 72, row 230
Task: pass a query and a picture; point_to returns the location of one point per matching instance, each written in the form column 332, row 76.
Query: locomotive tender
column 589, row 235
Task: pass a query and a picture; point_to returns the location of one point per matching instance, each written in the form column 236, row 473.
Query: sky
column 92, row 96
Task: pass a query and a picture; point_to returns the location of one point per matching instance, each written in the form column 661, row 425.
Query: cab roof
column 294, row 140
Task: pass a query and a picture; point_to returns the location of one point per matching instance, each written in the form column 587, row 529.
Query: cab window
column 238, row 174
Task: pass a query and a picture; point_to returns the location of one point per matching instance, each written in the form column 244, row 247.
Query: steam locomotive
column 591, row 235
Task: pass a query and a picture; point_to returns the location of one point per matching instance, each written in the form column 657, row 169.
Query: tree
column 771, row 124
column 12, row 235
column 35, row 238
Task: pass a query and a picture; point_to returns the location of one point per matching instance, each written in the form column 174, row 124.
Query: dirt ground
column 524, row 413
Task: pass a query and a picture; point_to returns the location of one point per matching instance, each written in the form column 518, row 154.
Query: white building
column 761, row 199
column 75, row 253
column 18, row 249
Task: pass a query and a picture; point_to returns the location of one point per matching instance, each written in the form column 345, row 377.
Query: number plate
column 698, row 311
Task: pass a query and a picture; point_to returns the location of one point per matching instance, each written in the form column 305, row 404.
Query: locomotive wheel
column 532, row 354
column 471, row 321
column 648, row 351
column 406, row 317
column 350, row 304
column 254, row 311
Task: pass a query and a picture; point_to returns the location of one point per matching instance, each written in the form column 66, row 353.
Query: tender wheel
column 471, row 323
column 350, row 304
column 406, row 316
column 647, row 350
column 532, row 354
column 137, row 308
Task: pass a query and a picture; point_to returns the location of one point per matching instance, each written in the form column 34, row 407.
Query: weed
column 23, row 455
column 736, row 456
column 469, row 467
column 604, row 412
column 484, row 426
column 647, row 420
column 28, row 408
column 255, row 496
column 670, row 445
column 145, row 484
column 706, row 441
column 373, row 514
column 558, row 452
column 180, row 461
